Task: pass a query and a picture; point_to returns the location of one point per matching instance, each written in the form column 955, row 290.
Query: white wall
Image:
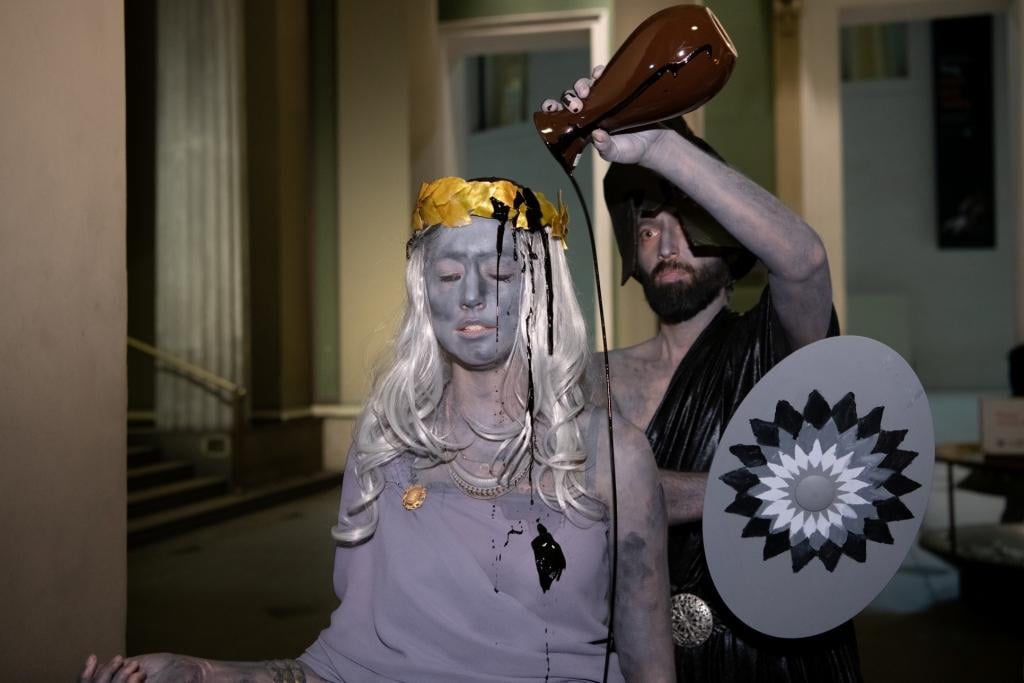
column 950, row 311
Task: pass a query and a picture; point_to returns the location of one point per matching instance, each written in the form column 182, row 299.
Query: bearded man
column 688, row 226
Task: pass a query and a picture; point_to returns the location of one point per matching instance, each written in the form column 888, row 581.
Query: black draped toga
column 728, row 358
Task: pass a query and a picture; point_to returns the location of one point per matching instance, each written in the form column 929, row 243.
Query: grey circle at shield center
column 814, row 492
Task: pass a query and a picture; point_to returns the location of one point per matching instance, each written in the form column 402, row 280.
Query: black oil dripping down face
column 548, row 556
column 534, row 218
column 500, row 214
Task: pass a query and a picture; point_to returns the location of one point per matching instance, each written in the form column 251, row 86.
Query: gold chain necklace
column 480, row 487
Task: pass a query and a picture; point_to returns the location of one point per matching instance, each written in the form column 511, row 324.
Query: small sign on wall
column 1002, row 426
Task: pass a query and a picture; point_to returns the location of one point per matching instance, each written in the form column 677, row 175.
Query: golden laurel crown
column 452, row 201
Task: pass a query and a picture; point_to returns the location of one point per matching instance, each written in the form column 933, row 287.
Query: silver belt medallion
column 691, row 620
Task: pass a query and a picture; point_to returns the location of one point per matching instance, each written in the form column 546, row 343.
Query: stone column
column 62, row 336
column 201, row 278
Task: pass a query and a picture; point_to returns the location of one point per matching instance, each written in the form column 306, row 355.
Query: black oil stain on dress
column 496, row 563
column 512, row 531
column 547, row 657
column 548, row 556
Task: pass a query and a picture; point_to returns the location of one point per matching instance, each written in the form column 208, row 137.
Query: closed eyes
column 455, row 277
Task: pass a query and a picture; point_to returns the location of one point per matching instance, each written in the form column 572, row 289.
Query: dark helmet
column 630, row 190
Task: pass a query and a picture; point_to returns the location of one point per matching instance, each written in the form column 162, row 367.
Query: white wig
column 401, row 414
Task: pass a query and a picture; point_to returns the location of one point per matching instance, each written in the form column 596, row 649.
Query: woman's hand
column 117, row 670
column 624, row 148
column 154, row 668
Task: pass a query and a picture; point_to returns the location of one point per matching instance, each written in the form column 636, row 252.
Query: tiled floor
column 259, row 587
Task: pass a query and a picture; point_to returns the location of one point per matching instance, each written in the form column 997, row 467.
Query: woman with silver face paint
column 474, row 531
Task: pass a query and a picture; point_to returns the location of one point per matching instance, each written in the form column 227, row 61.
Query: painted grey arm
column 798, row 272
column 684, row 495
column 642, row 629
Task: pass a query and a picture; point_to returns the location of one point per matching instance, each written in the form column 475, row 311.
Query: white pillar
column 200, row 217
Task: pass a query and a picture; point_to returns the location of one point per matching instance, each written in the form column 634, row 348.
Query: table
column 991, row 544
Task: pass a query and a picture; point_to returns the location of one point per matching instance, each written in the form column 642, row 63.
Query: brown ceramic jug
column 674, row 62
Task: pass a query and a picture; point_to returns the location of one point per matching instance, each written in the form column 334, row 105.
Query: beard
column 675, row 302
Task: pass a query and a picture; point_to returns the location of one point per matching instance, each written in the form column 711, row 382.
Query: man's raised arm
column 798, row 273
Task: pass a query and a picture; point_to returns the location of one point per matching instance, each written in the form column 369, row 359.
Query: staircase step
column 139, row 455
column 158, row 473
column 142, row 431
column 141, row 437
column 166, row 523
column 174, row 494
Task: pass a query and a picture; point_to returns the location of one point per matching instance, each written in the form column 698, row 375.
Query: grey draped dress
column 451, row 592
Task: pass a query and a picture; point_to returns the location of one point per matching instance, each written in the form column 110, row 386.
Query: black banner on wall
column 964, row 161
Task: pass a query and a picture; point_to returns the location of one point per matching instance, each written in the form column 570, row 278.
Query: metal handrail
column 184, row 366
column 238, row 407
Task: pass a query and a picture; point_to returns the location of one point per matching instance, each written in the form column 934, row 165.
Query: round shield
column 818, row 487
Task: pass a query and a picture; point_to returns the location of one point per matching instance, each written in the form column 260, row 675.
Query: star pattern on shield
column 821, row 482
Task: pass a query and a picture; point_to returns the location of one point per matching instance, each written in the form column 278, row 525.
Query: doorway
column 499, row 71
